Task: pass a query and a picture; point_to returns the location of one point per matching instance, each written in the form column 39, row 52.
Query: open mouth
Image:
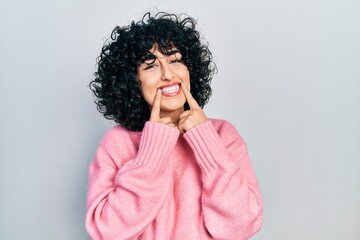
column 171, row 90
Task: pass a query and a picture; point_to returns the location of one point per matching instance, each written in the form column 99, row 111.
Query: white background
column 289, row 80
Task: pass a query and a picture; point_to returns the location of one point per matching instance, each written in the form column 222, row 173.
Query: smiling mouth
column 170, row 91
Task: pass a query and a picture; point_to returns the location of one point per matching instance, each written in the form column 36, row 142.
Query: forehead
column 157, row 52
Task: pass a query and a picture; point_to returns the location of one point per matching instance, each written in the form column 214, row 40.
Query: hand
column 155, row 111
column 192, row 117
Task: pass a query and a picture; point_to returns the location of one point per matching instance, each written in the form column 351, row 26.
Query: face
column 166, row 72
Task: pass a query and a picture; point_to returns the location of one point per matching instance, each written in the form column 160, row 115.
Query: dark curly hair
column 116, row 85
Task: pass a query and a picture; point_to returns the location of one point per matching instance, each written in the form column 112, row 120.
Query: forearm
column 232, row 205
column 125, row 209
column 123, row 202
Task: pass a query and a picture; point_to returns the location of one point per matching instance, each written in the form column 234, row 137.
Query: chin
column 172, row 106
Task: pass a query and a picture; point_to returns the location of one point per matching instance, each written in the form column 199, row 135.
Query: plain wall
column 288, row 79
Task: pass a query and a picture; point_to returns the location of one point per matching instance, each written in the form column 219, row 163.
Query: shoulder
column 113, row 135
column 227, row 132
column 117, row 145
column 223, row 126
column 119, row 134
column 221, row 123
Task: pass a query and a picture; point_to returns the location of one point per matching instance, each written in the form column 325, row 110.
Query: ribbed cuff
column 207, row 146
column 157, row 142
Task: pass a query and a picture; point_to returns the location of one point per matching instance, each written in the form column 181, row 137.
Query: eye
column 176, row 61
column 149, row 66
column 176, row 57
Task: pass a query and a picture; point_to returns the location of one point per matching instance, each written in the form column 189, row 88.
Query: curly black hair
column 116, row 85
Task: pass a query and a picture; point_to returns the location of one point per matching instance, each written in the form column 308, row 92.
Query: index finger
column 155, row 109
column 189, row 98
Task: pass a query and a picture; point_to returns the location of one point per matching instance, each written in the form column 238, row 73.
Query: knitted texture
column 160, row 184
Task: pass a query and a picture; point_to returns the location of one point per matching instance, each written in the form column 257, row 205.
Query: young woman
column 166, row 171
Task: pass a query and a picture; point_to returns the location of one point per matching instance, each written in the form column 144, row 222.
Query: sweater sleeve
column 123, row 200
column 231, row 202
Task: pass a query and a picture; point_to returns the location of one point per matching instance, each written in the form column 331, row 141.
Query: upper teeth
column 170, row 89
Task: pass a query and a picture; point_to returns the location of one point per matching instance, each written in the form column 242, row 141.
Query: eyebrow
column 153, row 57
column 172, row 52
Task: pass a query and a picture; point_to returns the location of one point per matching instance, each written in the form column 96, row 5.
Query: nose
column 166, row 74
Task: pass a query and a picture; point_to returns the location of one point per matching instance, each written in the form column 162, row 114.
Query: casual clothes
column 160, row 184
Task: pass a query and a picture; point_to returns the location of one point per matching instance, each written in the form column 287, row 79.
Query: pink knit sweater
column 159, row 184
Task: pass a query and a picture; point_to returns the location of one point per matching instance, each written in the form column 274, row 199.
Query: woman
column 166, row 171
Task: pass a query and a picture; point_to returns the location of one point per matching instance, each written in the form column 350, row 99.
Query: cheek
column 187, row 82
column 185, row 78
column 145, row 95
column 148, row 94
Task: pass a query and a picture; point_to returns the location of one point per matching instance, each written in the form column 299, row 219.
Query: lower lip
column 173, row 94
